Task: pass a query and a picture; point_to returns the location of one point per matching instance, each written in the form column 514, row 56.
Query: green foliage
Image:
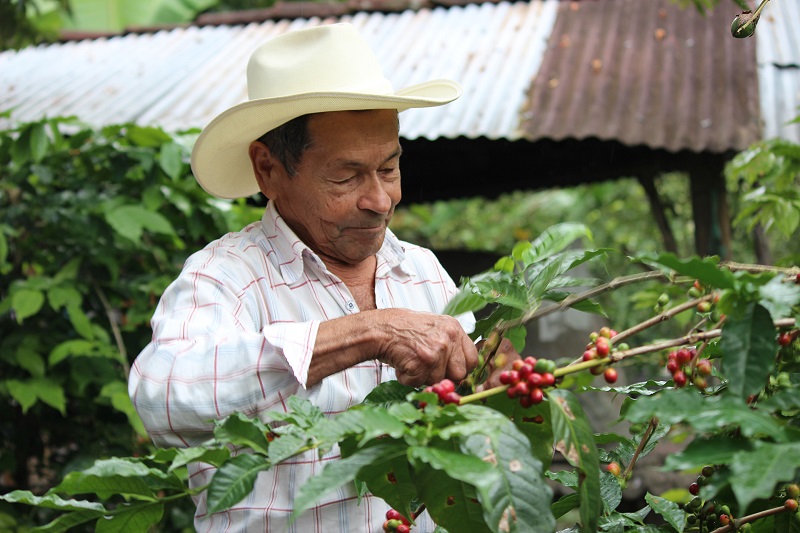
column 480, row 465
column 95, row 225
column 768, row 178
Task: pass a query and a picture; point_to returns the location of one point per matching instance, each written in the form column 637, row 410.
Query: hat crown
column 329, row 58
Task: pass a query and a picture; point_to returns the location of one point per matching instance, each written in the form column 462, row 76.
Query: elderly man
column 318, row 299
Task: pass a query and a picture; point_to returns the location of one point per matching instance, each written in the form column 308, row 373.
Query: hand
column 425, row 348
column 503, row 360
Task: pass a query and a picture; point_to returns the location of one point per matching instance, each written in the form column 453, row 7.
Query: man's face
column 347, row 184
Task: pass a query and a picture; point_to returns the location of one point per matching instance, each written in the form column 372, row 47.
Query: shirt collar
column 291, row 253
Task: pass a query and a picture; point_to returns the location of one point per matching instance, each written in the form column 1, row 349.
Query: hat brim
column 220, row 160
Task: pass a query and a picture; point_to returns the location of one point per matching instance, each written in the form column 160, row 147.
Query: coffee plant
column 481, row 458
column 95, row 224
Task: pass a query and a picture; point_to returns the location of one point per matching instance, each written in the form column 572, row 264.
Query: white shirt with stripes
column 235, row 333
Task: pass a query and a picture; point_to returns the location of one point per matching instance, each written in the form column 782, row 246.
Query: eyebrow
column 351, row 163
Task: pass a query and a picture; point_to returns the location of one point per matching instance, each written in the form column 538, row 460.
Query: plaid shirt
column 235, row 332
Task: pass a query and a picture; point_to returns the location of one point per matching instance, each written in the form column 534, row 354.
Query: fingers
column 425, row 348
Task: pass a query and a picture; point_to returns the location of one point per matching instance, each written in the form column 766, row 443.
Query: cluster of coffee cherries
column 528, row 378
column 786, row 338
column 599, row 348
column 680, row 367
column 395, row 522
column 707, row 512
column 445, row 390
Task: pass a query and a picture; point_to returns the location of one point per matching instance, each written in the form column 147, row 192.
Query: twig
column 645, row 438
column 732, row 265
column 591, row 293
column 736, row 524
column 123, row 353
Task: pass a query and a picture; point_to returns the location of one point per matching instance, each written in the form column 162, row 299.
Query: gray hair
column 288, row 142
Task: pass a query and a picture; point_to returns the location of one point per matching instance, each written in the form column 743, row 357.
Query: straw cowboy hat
column 325, row 68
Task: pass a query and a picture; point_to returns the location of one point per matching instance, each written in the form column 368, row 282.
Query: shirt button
column 350, row 305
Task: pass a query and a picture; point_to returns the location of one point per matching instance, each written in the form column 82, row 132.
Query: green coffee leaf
column 201, row 454
column 52, row 501
column 705, row 414
column 670, row 511
column 240, row 430
column 749, row 347
column 451, row 500
column 388, row 479
column 131, row 517
column 337, row 473
column 387, row 392
column 68, row 521
column 553, row 240
column 574, row 439
column 700, row 452
column 234, row 481
column 302, row 413
column 706, row 270
column 756, row 473
column 520, row 499
column 128, row 477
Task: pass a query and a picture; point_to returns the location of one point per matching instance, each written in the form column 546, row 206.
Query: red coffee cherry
column 614, row 469
column 610, row 375
column 536, row 396
column 694, row 489
column 679, row 378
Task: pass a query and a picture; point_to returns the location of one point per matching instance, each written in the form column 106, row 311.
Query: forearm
column 344, row 342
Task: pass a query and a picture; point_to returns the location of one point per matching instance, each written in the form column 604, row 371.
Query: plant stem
column 591, row 293
column 617, row 356
column 112, row 320
column 735, row 524
column 645, row 439
column 663, row 317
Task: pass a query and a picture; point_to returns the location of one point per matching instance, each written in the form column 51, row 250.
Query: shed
column 556, row 92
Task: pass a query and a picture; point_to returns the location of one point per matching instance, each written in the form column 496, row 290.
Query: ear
column 266, row 168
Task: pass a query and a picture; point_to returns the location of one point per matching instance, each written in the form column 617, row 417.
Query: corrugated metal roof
column 184, row 77
column 646, row 73
column 778, row 43
column 640, row 72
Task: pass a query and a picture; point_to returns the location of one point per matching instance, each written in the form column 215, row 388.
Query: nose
column 378, row 194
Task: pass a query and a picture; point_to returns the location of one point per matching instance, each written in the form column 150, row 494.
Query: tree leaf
column 337, row 473
column 202, row 454
column 757, row 472
column 27, row 393
column 748, row 346
column 387, row 392
column 706, row 270
column 388, row 479
column 574, row 439
column 26, row 303
column 39, row 142
column 716, row 450
column 520, row 499
column 106, row 477
column 553, row 240
column 130, row 221
column 67, row 521
column 234, row 481
column 133, row 517
column 240, row 430
column 670, row 511
column 52, row 501
column 779, row 297
column 117, row 394
column 705, row 414
column 451, row 502
column 62, row 295
column 80, row 321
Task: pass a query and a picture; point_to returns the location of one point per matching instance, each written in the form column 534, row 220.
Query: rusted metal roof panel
column 778, row 48
column 646, row 73
column 183, row 77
